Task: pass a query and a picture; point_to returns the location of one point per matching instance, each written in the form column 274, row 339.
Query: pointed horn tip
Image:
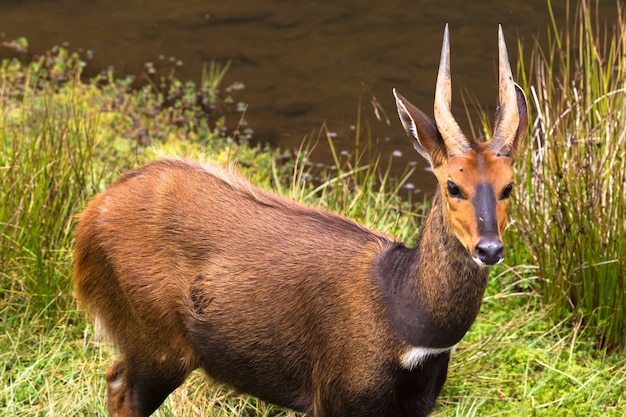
column 503, row 53
column 444, row 62
column 502, row 43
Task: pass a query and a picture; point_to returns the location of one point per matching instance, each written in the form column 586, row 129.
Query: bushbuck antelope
column 188, row 265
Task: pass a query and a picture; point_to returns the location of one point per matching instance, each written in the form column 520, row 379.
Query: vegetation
column 571, row 213
column 62, row 140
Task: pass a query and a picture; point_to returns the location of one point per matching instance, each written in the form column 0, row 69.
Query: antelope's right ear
column 421, row 130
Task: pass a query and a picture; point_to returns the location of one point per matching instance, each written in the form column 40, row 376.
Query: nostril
column 490, row 251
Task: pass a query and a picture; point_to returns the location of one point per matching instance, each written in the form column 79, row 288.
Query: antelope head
column 475, row 178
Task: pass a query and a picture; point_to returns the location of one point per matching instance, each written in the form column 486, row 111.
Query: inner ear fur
column 422, row 131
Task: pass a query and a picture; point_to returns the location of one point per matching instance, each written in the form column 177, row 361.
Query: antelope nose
column 489, row 250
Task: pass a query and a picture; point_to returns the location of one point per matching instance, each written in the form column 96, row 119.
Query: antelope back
column 475, row 178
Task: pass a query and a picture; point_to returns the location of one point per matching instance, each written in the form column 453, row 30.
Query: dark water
column 303, row 63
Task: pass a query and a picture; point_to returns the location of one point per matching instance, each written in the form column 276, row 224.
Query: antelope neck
column 433, row 291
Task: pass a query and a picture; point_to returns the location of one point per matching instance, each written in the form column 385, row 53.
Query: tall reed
column 47, row 138
column 571, row 205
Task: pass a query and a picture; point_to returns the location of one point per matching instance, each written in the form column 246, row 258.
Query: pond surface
column 303, row 63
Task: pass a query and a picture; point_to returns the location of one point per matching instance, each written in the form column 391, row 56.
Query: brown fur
column 189, row 266
column 175, row 258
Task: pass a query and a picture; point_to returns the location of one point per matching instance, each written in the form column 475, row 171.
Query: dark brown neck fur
column 435, row 289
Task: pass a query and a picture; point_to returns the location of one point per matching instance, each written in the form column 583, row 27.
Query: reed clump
column 571, row 204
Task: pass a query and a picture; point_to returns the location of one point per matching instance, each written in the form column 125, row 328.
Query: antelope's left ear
column 509, row 146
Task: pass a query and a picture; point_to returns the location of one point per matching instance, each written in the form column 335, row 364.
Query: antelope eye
column 506, row 193
column 453, row 190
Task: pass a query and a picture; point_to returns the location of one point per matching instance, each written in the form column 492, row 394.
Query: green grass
column 47, row 140
column 571, row 211
column 514, row 362
column 62, row 140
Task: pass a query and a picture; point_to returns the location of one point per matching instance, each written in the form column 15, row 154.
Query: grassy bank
column 62, row 140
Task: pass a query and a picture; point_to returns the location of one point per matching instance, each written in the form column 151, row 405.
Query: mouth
column 481, row 263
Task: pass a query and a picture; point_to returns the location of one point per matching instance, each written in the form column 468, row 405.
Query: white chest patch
column 416, row 356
